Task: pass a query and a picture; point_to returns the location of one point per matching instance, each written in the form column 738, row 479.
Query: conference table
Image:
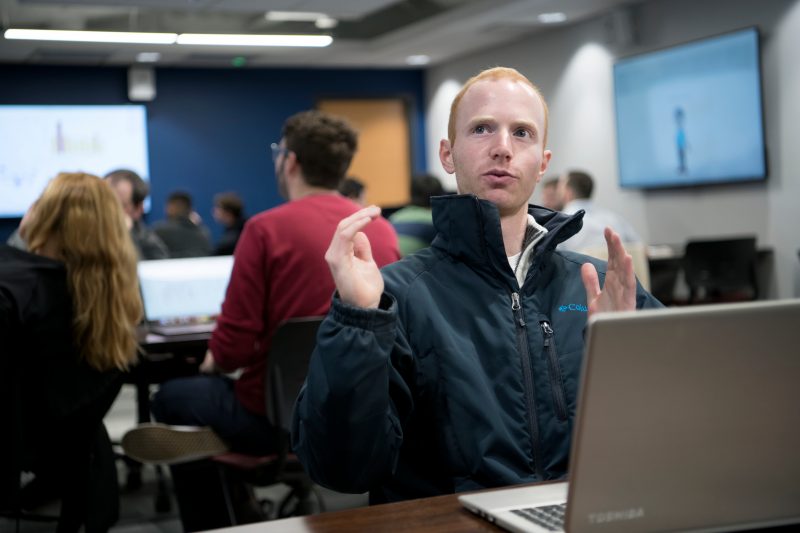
column 438, row 514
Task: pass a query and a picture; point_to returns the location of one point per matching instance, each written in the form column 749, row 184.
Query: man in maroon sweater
column 279, row 272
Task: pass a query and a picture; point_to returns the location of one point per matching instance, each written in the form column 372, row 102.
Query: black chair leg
column 163, row 501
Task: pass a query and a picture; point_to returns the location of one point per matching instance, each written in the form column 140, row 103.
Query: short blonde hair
column 80, row 217
column 496, row 73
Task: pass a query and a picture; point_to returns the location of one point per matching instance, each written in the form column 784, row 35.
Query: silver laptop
column 184, row 296
column 688, row 420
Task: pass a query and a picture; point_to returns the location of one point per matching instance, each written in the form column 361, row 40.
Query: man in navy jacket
column 457, row 368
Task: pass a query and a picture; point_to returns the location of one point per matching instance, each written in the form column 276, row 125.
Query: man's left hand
column 208, row 366
column 619, row 289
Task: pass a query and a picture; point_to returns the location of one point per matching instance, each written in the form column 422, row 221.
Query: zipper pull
column 548, row 332
column 515, row 306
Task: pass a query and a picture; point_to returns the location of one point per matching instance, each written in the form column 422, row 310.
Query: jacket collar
column 468, row 229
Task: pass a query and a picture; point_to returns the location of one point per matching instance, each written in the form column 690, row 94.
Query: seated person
column 353, row 188
column 414, row 223
column 181, row 231
column 229, row 212
column 132, row 191
column 455, row 368
column 279, row 272
column 576, row 192
column 68, row 315
column 551, row 194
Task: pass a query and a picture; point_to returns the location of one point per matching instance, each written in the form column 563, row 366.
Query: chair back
column 287, row 366
column 721, row 270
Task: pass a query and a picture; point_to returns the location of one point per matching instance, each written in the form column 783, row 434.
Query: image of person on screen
column 680, row 140
column 456, row 368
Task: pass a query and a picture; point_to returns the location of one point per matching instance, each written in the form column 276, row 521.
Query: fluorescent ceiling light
column 552, row 18
column 220, row 39
column 148, row 57
column 92, row 36
column 320, row 20
column 326, row 23
column 420, row 59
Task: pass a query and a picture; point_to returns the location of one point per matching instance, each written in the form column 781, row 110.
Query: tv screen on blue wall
column 39, row 141
column 691, row 114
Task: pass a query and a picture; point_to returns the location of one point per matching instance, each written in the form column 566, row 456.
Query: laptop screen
column 184, row 290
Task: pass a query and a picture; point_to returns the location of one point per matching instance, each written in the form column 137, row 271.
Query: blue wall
column 210, row 130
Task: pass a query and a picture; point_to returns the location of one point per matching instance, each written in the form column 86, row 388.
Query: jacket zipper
column 556, row 382
column 527, row 372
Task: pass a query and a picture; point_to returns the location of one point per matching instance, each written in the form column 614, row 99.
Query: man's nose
column 501, row 147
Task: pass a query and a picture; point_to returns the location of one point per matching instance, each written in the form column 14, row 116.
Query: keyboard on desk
column 181, row 329
column 550, row 517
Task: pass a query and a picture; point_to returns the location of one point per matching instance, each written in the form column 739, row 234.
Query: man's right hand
column 349, row 257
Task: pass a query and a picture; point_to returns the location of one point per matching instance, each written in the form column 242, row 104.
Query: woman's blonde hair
column 81, row 220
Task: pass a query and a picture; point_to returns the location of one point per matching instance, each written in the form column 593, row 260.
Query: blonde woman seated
column 68, row 312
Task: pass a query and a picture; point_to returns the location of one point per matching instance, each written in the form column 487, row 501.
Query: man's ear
column 290, row 163
column 446, row 156
column 546, row 155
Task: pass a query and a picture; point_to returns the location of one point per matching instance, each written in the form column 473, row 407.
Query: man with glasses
column 279, row 272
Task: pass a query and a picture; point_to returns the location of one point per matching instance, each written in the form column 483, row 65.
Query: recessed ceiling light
column 325, row 22
column 148, row 57
column 294, row 16
column 552, row 18
column 419, row 59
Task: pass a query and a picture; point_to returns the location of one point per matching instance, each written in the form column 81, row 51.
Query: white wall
column 572, row 66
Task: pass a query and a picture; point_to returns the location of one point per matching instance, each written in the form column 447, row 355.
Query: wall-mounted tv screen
column 691, row 114
column 39, row 141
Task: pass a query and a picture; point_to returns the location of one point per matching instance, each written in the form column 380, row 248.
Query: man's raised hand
column 349, row 257
column 619, row 289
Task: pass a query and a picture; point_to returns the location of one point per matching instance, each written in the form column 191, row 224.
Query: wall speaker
column 141, row 84
column 622, row 26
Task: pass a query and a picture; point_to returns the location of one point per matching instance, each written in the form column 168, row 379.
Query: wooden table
column 439, row 514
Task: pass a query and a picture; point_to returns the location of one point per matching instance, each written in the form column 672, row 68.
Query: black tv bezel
column 698, row 183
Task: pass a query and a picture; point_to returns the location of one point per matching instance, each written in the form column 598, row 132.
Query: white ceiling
column 371, row 33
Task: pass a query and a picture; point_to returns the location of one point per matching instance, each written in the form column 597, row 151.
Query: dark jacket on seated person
column 462, row 379
column 54, row 401
column 183, row 237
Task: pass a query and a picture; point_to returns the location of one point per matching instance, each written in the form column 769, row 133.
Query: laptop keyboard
column 550, row 517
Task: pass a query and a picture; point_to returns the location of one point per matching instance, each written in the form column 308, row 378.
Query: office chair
column 721, row 270
column 286, row 369
column 74, row 452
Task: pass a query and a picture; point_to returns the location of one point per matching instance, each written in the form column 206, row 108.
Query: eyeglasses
column 278, row 150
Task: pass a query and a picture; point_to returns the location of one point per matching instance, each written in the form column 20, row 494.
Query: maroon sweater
column 279, row 272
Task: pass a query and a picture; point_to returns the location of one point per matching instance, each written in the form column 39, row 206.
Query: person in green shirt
column 414, row 223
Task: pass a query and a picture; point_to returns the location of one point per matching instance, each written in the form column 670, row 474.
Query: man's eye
column 480, row 129
column 522, row 133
